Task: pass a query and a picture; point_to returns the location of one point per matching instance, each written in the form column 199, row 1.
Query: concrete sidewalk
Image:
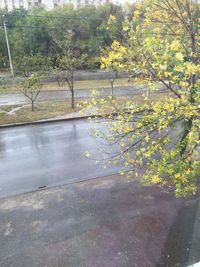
column 106, row 222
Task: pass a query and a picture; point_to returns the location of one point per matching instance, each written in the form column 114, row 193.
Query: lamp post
column 8, row 46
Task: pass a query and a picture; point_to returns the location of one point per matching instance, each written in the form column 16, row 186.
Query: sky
column 123, row 1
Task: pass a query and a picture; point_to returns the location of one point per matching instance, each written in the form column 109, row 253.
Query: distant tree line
column 38, row 38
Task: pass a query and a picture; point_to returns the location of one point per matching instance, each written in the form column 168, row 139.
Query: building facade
column 49, row 4
column 80, row 3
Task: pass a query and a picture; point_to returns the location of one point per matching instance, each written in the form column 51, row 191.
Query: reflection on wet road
column 46, row 155
column 108, row 221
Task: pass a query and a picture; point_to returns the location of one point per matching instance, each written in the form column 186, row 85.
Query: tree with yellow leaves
column 114, row 60
column 162, row 134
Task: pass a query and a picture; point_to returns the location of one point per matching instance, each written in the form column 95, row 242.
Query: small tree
column 113, row 60
column 70, row 58
column 31, row 88
column 68, row 64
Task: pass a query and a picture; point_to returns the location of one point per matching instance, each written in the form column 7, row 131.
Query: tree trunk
column 32, row 105
column 186, row 130
column 72, row 88
column 112, row 83
column 73, row 101
column 112, row 88
column 58, row 81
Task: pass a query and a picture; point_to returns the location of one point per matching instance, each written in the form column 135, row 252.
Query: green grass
column 78, row 85
column 139, row 99
column 8, row 108
column 51, row 109
column 43, row 110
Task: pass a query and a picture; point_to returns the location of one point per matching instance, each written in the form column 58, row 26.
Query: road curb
column 45, row 188
column 48, row 121
column 96, row 116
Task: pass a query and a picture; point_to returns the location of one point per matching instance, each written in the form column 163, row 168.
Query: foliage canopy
column 163, row 41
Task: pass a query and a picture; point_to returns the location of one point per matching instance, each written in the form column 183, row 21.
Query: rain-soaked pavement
column 104, row 222
column 47, row 155
column 101, row 222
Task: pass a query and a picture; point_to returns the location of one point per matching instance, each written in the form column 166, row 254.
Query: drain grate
column 42, row 187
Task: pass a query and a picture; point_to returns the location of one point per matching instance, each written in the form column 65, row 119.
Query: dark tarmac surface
column 104, row 222
column 19, row 98
column 47, row 155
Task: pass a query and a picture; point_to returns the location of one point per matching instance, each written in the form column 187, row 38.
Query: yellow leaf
column 180, row 56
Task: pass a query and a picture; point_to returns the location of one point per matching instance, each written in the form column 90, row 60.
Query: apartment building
column 26, row 4
column 49, row 4
column 80, row 3
column 75, row 3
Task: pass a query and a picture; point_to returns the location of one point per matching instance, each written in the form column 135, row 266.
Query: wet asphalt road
column 108, row 221
column 104, row 222
column 19, row 98
column 47, row 155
